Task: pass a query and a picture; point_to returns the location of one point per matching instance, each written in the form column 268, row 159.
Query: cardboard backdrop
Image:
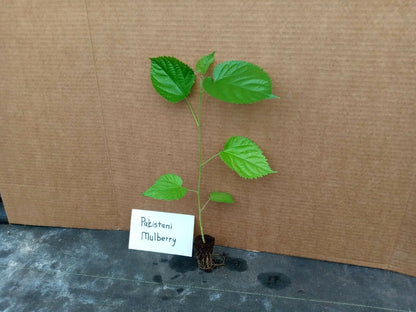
column 83, row 133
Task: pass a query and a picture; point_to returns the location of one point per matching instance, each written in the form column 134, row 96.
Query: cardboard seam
column 390, row 265
column 117, row 212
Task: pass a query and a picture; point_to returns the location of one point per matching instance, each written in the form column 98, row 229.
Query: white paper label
column 164, row 232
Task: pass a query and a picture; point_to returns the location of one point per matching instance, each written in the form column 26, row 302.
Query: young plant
column 236, row 82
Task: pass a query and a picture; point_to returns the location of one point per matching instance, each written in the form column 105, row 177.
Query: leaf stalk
column 209, row 159
column 206, row 203
column 193, row 114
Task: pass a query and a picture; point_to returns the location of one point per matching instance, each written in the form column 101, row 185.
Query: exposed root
column 205, row 256
column 206, row 263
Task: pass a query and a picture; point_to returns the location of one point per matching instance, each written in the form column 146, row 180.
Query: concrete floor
column 55, row 269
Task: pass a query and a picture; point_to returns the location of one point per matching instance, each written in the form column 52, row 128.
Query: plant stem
column 201, row 92
column 198, row 124
column 199, row 185
column 209, row 159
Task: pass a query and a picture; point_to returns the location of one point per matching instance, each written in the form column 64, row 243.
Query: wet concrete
column 50, row 269
column 274, row 280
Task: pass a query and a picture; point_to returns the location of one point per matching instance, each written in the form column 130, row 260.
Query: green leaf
column 245, row 157
column 239, row 82
column 204, row 63
column 167, row 187
column 171, row 78
column 220, row 197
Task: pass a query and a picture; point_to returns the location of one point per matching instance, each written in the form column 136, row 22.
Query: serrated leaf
column 245, row 157
column 171, row 78
column 204, row 63
column 239, row 82
column 167, row 187
column 221, row 197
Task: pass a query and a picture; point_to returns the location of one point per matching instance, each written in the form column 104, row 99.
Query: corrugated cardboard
column 83, row 133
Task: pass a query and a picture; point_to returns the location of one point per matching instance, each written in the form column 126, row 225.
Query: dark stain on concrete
column 157, row 279
column 54, row 265
column 236, row 264
column 5, row 253
column 175, row 277
column 183, row 264
column 274, row 280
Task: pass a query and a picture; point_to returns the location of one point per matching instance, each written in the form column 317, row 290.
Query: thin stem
column 192, row 112
column 194, row 191
column 199, row 183
column 209, row 159
column 206, row 203
column 198, row 125
column 201, row 92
